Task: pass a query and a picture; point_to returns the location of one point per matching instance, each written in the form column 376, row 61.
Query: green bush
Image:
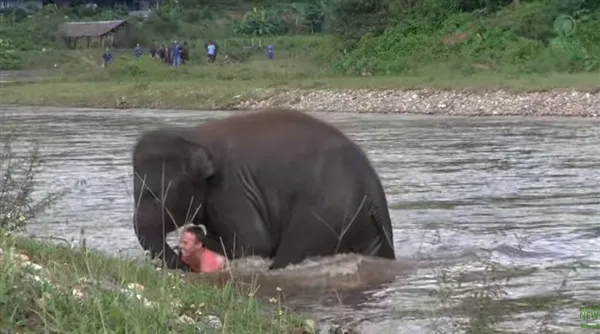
column 262, row 22
column 522, row 39
column 8, row 59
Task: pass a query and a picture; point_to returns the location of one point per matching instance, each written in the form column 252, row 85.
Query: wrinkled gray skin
column 277, row 183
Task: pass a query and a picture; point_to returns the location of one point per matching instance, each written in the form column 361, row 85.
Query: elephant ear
column 201, row 164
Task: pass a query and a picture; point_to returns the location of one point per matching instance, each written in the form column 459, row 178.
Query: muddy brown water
column 521, row 193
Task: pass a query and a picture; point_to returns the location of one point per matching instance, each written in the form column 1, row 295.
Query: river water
column 522, row 194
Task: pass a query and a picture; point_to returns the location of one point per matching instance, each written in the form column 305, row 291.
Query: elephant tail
column 383, row 245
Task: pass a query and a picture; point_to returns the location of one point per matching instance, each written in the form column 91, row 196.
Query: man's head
column 191, row 240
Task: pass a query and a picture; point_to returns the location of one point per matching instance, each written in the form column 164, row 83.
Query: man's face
column 189, row 244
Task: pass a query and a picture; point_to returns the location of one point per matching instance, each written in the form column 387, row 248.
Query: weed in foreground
column 62, row 289
column 16, row 187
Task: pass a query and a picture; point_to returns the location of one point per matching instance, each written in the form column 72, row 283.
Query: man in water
column 193, row 252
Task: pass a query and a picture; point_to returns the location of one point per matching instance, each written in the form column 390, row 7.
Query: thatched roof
column 91, row 29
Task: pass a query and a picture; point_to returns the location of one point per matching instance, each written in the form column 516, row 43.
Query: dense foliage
column 372, row 37
column 531, row 36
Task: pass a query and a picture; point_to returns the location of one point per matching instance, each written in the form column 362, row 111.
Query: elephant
column 275, row 183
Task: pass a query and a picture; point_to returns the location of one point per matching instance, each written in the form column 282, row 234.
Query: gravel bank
column 442, row 102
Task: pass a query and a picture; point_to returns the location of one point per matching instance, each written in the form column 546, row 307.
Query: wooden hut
column 102, row 30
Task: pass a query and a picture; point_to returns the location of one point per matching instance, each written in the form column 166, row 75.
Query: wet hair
column 198, row 230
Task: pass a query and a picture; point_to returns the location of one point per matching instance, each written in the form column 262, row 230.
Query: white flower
column 77, row 293
column 176, row 303
column 135, row 287
column 33, row 266
column 148, row 303
column 184, row 319
column 20, row 257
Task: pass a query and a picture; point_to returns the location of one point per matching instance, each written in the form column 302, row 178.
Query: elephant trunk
column 151, row 235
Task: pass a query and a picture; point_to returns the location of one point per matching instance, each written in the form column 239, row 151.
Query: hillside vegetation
column 318, row 38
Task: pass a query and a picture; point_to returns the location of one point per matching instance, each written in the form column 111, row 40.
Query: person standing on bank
column 176, row 54
column 211, row 50
column 106, row 58
column 194, row 253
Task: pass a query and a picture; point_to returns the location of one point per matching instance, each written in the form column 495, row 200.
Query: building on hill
column 104, row 31
column 130, row 4
column 138, row 7
column 27, row 5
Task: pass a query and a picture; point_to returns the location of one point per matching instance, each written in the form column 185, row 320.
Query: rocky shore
column 563, row 103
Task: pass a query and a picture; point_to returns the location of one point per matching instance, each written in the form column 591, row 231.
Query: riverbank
column 559, row 95
column 45, row 286
column 565, row 103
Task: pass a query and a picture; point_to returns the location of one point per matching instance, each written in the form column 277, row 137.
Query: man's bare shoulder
column 212, row 261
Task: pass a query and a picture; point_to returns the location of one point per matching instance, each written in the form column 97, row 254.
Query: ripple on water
column 527, row 190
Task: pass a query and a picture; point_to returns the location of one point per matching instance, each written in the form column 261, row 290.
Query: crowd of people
column 177, row 54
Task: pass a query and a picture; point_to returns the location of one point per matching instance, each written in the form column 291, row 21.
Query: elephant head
column 171, row 171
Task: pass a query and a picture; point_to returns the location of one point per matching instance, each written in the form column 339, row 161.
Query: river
column 521, row 193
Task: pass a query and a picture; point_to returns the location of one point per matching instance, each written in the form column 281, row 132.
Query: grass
column 76, row 290
column 145, row 83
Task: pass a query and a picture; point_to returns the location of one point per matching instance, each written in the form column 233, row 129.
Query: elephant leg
column 236, row 231
column 309, row 234
column 305, row 236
